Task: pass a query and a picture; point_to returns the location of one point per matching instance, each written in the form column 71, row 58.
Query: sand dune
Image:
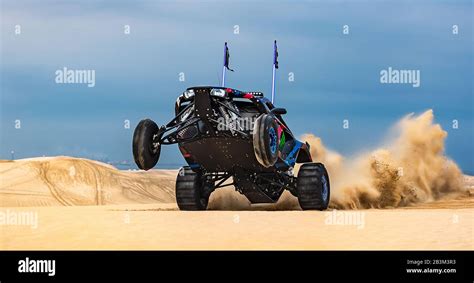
column 78, row 204
column 50, row 181
column 68, row 181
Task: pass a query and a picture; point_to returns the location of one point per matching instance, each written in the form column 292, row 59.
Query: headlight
column 188, row 93
column 218, row 92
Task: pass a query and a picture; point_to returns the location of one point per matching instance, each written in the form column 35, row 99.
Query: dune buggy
column 222, row 133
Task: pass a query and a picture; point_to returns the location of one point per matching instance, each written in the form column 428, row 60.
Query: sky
column 336, row 75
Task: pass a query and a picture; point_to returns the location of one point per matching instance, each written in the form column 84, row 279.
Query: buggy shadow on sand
column 222, row 133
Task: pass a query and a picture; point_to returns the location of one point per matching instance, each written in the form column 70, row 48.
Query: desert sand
column 79, row 204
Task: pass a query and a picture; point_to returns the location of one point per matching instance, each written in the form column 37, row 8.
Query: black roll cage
column 167, row 133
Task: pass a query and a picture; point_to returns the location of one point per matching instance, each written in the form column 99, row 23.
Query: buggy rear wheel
column 313, row 187
column 145, row 152
column 265, row 140
column 192, row 191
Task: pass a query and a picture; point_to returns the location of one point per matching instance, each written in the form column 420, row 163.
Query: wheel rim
column 273, row 140
column 154, row 147
column 325, row 188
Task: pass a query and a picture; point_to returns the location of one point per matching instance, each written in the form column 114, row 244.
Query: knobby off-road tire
column 313, row 187
column 190, row 190
column 146, row 155
column 265, row 140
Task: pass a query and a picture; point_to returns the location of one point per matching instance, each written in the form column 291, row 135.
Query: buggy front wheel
column 265, row 140
column 146, row 151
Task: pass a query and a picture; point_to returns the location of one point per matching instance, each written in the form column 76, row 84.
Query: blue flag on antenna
column 226, row 58
column 275, row 56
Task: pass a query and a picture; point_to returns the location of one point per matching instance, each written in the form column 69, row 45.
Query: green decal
column 282, row 140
